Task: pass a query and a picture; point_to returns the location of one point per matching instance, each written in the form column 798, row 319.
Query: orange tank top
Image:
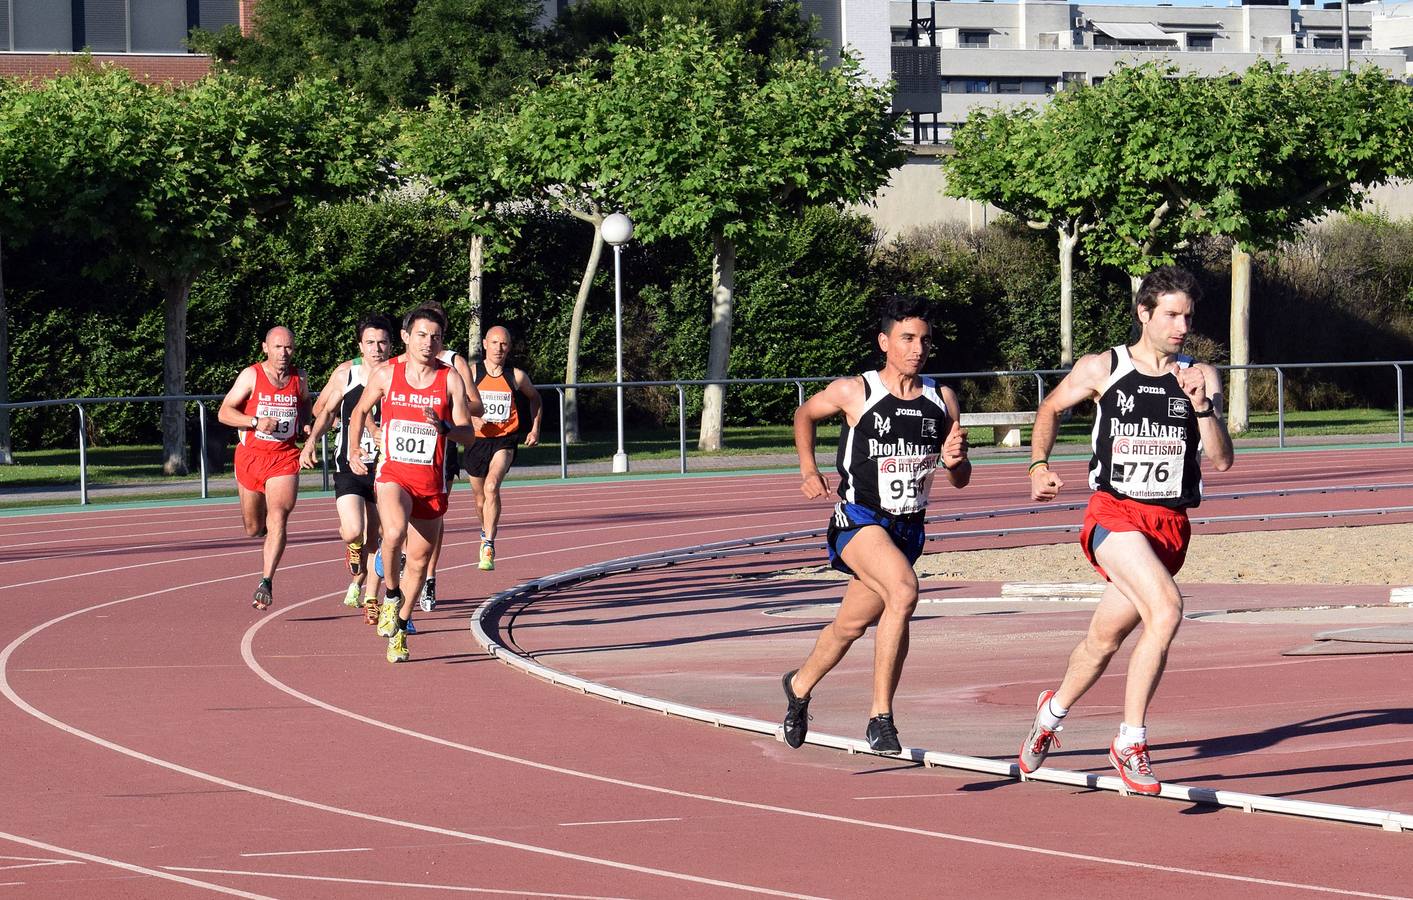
column 500, row 417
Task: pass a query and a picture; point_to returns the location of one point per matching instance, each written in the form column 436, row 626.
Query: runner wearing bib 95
column 266, row 404
column 1158, row 413
column 898, row 425
column 498, row 430
column 423, row 406
column 353, row 494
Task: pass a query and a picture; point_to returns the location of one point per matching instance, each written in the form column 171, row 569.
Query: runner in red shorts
column 1158, row 413
column 268, row 403
column 424, row 405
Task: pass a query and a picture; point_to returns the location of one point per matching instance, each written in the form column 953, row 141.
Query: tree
column 694, row 145
column 769, row 29
column 21, row 191
column 175, row 178
column 396, row 53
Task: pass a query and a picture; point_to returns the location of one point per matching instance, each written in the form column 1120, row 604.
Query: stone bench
column 1007, row 424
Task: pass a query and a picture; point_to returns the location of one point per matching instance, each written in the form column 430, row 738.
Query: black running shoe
column 797, row 716
column 883, row 734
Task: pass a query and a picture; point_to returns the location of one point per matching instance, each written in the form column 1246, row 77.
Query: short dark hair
column 897, row 307
column 429, row 311
column 1165, row 280
column 376, row 321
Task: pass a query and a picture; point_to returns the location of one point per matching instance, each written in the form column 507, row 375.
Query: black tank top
column 353, row 392
column 887, row 458
column 1146, row 443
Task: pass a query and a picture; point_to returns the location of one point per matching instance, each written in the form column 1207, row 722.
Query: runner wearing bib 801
column 898, row 427
column 1158, row 413
column 267, row 403
column 424, row 405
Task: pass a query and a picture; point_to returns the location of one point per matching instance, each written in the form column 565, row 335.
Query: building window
column 1199, row 42
column 111, row 26
column 974, row 39
column 978, row 86
column 1327, row 43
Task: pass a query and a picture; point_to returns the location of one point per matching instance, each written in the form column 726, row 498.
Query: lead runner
column 1158, row 413
column 895, row 420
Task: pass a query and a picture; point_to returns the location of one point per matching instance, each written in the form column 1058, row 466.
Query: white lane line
column 398, row 884
column 26, row 707
column 38, row 865
column 248, row 654
column 37, row 859
column 912, row 796
column 620, row 822
column 119, row 864
column 304, row 852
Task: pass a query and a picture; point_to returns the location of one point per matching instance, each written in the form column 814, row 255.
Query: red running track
column 166, row 740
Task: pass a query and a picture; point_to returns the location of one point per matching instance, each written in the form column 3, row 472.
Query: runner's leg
column 859, row 609
column 1114, row 619
column 490, row 508
column 422, row 535
column 886, row 573
column 1135, row 570
column 252, row 511
column 281, row 493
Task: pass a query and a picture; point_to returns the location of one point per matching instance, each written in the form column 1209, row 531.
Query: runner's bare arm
column 325, row 410
column 1082, row 383
column 461, row 430
column 1216, row 441
column 955, row 447
column 306, row 405
column 231, row 412
column 473, row 396
column 377, row 386
column 841, row 396
column 532, row 396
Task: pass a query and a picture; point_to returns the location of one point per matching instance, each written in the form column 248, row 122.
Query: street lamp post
column 617, row 230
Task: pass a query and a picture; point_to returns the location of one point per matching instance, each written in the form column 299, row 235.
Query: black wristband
column 443, row 427
column 1207, row 413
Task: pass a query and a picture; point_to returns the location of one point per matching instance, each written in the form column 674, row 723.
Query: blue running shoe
column 378, row 563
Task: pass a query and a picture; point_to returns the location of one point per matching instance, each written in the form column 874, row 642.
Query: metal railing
column 680, row 386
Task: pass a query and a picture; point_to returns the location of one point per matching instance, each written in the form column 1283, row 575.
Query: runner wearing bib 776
column 898, row 426
column 423, row 406
column 1158, row 413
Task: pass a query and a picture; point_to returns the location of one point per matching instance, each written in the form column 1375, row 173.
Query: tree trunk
column 476, row 264
column 176, row 289
column 1068, row 239
column 576, row 325
column 7, row 455
column 1238, row 408
column 723, row 298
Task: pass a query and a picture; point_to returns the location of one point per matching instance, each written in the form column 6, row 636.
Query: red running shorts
column 1168, row 530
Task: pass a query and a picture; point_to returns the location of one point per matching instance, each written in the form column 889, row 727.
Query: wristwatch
column 1206, row 413
column 254, row 421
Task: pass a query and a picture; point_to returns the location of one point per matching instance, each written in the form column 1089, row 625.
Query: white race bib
column 903, row 482
column 368, row 446
column 497, row 406
column 410, row 442
column 284, row 416
column 1148, row 468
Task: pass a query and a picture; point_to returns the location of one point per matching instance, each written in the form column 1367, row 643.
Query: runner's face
column 279, row 349
column 424, row 341
column 907, row 345
column 1167, row 326
column 375, row 345
column 497, row 346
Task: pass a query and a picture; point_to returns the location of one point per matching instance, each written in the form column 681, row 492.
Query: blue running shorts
column 906, row 531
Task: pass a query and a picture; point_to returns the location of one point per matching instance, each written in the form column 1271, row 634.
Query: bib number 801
column 410, row 446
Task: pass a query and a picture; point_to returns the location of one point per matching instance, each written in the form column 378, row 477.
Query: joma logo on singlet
column 1150, row 389
column 415, row 399
column 907, row 411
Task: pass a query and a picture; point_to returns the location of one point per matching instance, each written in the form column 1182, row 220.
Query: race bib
column 368, row 446
column 497, row 406
column 903, row 482
column 411, row 442
column 1147, row 468
column 285, row 418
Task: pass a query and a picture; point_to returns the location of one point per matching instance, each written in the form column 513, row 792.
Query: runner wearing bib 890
column 423, row 406
column 267, row 403
column 898, row 426
column 498, row 429
column 1158, row 413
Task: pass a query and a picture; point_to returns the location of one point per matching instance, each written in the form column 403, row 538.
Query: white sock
column 1129, row 735
column 1051, row 713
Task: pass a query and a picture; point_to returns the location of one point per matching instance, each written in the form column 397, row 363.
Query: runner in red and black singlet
column 423, row 403
column 268, row 403
column 353, row 494
column 503, row 389
column 1158, row 413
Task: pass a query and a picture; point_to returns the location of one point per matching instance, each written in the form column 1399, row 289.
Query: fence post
column 682, row 429
column 800, row 392
column 1280, row 407
column 324, row 455
column 563, row 444
column 201, row 453
column 83, row 455
column 1039, row 389
column 1398, row 372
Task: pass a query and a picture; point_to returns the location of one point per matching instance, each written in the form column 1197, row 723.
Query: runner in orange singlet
column 267, row 403
column 424, row 405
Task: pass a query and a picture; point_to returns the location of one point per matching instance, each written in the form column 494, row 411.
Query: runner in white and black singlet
column 1158, row 414
column 898, row 427
column 353, row 494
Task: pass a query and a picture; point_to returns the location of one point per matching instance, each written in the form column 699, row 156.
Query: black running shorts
column 478, row 456
column 346, row 483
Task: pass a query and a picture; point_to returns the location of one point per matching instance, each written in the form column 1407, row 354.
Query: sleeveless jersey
column 500, row 418
column 413, row 450
column 887, row 458
column 366, row 443
column 1146, row 443
column 280, row 404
